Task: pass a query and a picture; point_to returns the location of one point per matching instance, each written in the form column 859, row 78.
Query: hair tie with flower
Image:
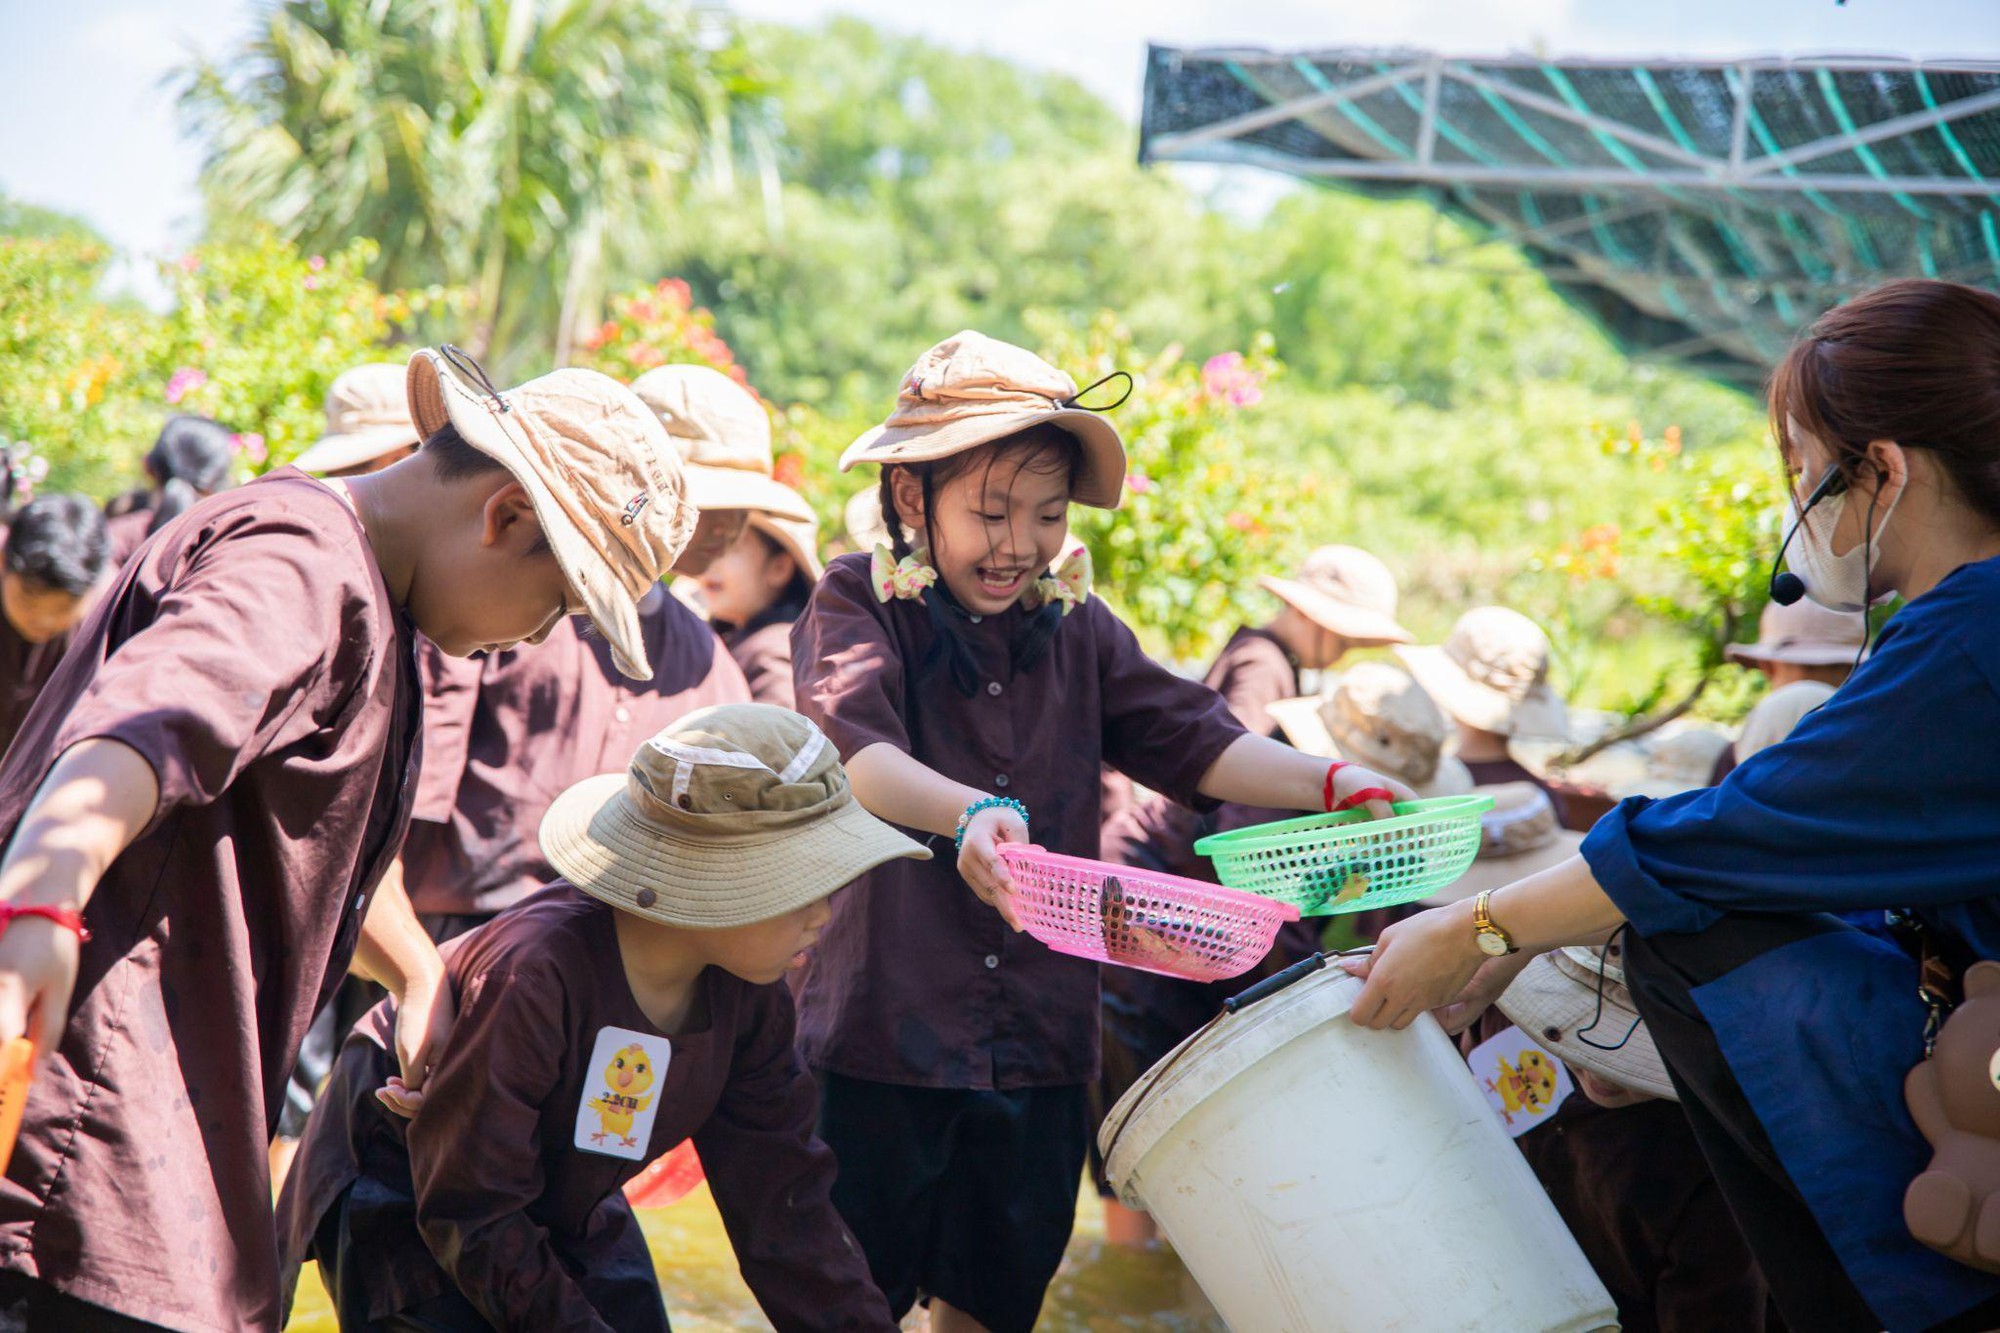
column 901, row 580
column 1068, row 582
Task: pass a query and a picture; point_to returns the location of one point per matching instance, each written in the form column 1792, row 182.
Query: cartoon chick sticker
column 1522, row 1082
column 619, row 1102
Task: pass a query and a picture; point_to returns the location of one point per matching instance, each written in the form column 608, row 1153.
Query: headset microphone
column 1786, row 587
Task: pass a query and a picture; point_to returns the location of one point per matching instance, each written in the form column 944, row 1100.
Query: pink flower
column 645, row 356
column 1138, row 483
column 316, row 263
column 189, row 262
column 250, row 445
column 1224, row 376
column 184, row 382
column 312, row 282
column 1241, row 521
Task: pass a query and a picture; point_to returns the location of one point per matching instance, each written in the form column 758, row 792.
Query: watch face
column 1492, row 944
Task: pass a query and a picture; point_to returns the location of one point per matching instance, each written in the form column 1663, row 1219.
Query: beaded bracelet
column 986, row 803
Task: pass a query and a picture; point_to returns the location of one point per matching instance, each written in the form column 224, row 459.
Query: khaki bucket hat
column 605, row 480
column 799, row 540
column 1555, row 1003
column 1346, row 590
column 724, row 436
column 367, row 415
column 1803, row 634
column 1682, row 761
column 1492, row 672
column 1377, row 716
column 971, row 389
column 1520, row 836
column 732, row 815
column 1777, row 713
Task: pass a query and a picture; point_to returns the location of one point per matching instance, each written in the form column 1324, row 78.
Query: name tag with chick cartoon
column 620, row 1100
column 1523, row 1082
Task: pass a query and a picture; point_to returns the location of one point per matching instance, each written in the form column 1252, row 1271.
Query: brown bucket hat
column 1346, row 590
column 733, row 815
column 1492, row 672
column 367, row 415
column 1518, row 837
column 724, row 436
column 971, row 389
column 604, row 478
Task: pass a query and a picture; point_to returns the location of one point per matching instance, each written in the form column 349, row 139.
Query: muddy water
column 1100, row 1288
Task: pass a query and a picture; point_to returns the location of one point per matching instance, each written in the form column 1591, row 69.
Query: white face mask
column 1836, row 582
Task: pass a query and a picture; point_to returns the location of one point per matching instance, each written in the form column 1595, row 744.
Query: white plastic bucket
column 1314, row 1175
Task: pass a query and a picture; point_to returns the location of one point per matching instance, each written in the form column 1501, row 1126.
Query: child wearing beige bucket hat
column 215, row 788
column 973, row 683
column 629, row 1006
column 368, row 424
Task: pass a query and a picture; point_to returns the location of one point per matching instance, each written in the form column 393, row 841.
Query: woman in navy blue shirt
column 1788, row 1032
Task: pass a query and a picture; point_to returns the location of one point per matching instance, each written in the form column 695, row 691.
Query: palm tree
column 522, row 150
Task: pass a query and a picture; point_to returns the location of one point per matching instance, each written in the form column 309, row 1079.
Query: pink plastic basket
column 1134, row 918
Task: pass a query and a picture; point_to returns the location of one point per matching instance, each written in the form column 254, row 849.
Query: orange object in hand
column 17, row 1070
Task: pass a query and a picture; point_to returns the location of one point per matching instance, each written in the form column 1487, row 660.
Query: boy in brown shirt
column 56, row 551
column 216, row 778
column 602, row 1022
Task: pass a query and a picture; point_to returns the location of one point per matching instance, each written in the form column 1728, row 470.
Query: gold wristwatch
column 1493, row 941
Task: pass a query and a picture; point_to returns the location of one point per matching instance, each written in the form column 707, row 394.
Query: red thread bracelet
column 67, row 917
column 1364, row 795
column 1326, row 797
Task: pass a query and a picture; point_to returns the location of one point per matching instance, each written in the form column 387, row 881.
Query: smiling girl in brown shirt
column 975, row 687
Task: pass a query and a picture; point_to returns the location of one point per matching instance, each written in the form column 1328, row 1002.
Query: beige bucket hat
column 367, row 415
column 1377, row 716
column 1680, row 762
column 605, row 480
column 971, row 389
column 732, row 815
column 1555, row 1003
column 1777, row 713
column 1492, row 672
column 1803, row 634
column 1520, row 836
column 1346, row 590
column 724, row 436
column 799, row 540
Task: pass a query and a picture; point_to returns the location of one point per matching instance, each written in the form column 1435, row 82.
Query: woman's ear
column 908, row 489
column 779, row 571
column 1886, row 471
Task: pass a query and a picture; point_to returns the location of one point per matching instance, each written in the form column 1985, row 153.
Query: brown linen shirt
column 506, row 735
column 254, row 657
column 915, row 981
column 765, row 654
column 1252, row 672
column 486, row 1188
column 25, row 669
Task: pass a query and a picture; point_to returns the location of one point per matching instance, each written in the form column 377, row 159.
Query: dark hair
column 192, row 455
column 1913, row 361
column 59, row 543
column 949, row 648
column 454, row 460
column 790, row 603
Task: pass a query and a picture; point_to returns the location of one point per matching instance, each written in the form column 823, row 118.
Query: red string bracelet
column 67, row 917
column 1326, row 800
column 1363, row 796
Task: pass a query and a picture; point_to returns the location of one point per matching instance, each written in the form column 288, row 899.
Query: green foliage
column 258, row 331
column 519, row 149
column 1203, row 517
column 657, row 326
column 74, row 365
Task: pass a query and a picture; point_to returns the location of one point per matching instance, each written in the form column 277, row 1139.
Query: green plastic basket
column 1328, row 864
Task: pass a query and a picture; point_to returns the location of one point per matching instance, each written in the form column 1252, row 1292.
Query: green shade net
column 1701, row 211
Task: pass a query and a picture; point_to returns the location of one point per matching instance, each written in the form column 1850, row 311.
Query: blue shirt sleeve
column 1888, row 795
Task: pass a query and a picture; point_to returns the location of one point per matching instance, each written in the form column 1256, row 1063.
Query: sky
column 87, row 122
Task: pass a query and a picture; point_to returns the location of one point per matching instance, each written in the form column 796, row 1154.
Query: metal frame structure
column 1703, row 209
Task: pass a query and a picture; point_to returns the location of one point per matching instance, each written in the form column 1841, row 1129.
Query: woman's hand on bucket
column 1426, row 962
column 979, row 858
